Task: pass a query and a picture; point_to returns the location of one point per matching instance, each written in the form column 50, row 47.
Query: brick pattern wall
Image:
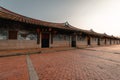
column 61, row 44
column 17, row 44
column 94, row 42
column 102, row 42
column 81, row 43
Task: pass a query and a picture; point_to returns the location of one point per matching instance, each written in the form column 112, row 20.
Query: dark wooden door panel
column 45, row 40
column 13, row 34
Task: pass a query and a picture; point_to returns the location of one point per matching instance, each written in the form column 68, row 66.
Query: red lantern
column 38, row 30
column 50, row 29
column 55, row 32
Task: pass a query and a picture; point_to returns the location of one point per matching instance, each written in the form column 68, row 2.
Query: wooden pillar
column 70, row 40
column 73, row 40
column 50, row 37
column 38, row 36
column 88, row 40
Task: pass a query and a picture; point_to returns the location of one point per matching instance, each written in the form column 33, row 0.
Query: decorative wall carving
column 3, row 34
column 59, row 37
column 25, row 35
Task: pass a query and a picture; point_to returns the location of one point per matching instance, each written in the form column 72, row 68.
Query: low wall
column 94, row 43
column 17, row 44
column 81, row 44
column 61, row 44
column 107, row 42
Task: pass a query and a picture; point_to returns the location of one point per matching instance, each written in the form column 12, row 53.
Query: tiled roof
column 6, row 14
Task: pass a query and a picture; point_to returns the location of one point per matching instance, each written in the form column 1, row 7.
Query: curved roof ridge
column 22, row 16
column 7, row 14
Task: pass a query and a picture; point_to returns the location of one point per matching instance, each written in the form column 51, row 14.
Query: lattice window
column 13, row 34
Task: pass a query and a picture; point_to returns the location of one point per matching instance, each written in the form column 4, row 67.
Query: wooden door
column 73, row 43
column 98, row 41
column 88, row 41
column 45, row 40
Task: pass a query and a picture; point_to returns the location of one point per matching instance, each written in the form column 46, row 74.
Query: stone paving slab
column 32, row 73
column 16, row 52
column 104, row 55
column 13, row 68
column 75, row 65
column 101, row 63
column 110, row 49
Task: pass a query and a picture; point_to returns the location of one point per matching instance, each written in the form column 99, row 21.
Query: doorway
column 73, row 43
column 105, row 41
column 110, row 42
column 45, row 40
column 98, row 41
column 88, row 41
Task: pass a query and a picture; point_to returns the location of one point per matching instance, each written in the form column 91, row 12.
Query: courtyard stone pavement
column 98, row 63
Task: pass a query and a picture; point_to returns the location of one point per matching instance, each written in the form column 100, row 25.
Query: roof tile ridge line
column 19, row 15
column 16, row 14
column 10, row 12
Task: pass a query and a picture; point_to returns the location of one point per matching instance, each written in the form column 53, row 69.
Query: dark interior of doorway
column 73, row 41
column 45, row 40
column 98, row 41
column 89, row 43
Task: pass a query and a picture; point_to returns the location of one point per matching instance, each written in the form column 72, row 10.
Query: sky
column 102, row 16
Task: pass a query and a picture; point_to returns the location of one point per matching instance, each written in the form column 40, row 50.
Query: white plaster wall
column 107, row 41
column 80, row 43
column 118, row 41
column 102, row 42
column 93, row 42
column 61, row 44
column 112, row 42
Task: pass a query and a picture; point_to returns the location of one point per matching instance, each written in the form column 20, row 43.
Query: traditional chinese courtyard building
column 21, row 32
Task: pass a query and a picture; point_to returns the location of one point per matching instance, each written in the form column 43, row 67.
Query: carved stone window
column 27, row 35
column 3, row 34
